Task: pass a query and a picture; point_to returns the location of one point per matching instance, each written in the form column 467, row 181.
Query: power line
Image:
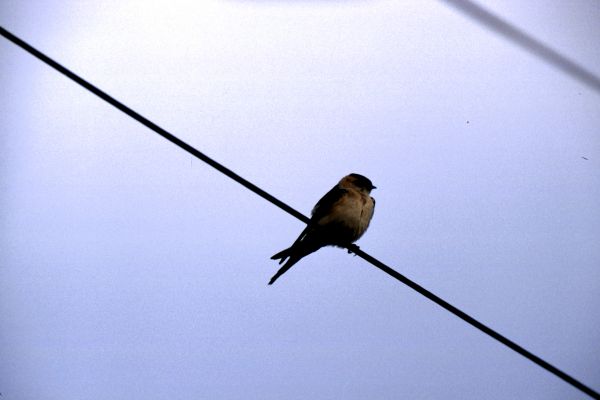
column 146, row 122
column 462, row 315
column 482, row 327
column 526, row 41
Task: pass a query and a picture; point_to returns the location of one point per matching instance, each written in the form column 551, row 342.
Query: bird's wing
column 325, row 205
column 321, row 209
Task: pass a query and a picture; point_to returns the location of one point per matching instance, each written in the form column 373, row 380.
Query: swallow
column 339, row 219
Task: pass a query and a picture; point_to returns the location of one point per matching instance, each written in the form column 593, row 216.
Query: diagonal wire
column 526, row 41
column 482, row 327
column 462, row 315
column 146, row 122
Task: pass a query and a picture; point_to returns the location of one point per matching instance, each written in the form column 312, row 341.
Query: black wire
column 484, row 328
column 144, row 121
column 524, row 40
column 462, row 315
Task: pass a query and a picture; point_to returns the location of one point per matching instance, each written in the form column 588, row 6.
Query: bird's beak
column 374, row 187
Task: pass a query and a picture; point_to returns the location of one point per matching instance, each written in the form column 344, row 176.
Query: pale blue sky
column 129, row 270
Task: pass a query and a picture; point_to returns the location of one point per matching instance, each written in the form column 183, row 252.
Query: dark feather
column 305, row 245
column 326, row 203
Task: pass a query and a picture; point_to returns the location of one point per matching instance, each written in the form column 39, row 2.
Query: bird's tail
column 282, row 255
column 293, row 254
column 283, row 270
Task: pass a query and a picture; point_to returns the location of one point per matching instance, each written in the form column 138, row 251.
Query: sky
column 129, row 269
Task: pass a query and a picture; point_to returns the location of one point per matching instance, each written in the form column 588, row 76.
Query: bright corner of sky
column 131, row 270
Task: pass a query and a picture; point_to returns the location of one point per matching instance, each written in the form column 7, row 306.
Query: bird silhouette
column 340, row 218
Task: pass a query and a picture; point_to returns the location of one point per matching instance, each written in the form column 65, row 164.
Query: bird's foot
column 352, row 248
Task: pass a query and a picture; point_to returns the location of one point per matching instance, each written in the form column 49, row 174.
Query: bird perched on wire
column 339, row 219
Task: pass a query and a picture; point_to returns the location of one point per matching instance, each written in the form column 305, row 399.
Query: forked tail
column 284, row 269
column 293, row 254
column 282, row 255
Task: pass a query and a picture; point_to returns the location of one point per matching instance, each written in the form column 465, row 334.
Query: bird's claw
column 353, row 249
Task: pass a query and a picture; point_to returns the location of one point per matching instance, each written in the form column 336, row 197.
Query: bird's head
column 359, row 182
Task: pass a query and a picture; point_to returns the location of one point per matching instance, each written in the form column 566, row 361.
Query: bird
column 339, row 219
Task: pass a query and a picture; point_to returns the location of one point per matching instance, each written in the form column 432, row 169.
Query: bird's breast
column 352, row 214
